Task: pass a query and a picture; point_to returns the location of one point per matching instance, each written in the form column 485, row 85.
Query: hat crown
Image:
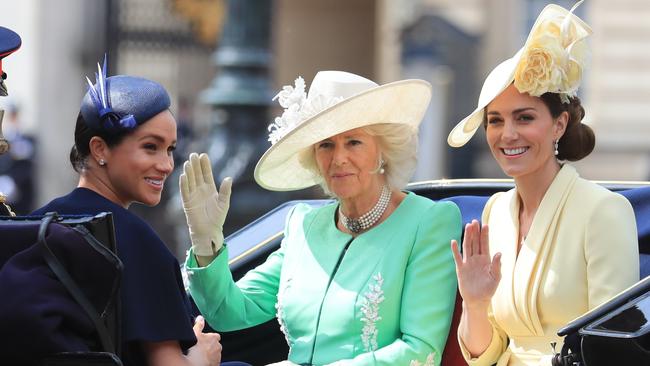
column 138, row 98
column 326, row 90
column 338, row 84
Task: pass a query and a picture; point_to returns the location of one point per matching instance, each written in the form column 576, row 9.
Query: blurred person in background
column 563, row 245
column 184, row 130
column 17, row 165
column 10, row 41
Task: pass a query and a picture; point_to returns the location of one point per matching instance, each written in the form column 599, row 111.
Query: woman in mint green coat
column 366, row 280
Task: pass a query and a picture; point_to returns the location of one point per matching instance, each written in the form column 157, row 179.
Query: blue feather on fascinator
column 109, row 118
column 121, row 102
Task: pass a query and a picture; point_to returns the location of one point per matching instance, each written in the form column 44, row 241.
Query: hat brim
column 503, row 75
column 401, row 102
column 496, row 82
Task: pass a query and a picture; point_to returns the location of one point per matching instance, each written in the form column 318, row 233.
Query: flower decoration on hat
column 110, row 119
column 298, row 107
column 552, row 59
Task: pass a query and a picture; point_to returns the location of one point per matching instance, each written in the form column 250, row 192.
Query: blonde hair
column 398, row 146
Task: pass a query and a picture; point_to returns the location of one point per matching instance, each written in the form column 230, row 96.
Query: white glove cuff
column 202, row 247
column 217, row 241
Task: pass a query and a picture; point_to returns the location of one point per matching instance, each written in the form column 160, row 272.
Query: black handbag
column 59, row 280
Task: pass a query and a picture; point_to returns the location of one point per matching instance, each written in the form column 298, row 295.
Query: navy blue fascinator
column 121, row 102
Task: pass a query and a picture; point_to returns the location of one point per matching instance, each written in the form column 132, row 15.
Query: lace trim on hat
column 297, row 108
column 370, row 311
column 429, row 361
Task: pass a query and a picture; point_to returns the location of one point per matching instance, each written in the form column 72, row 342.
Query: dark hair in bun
column 578, row 140
column 82, row 135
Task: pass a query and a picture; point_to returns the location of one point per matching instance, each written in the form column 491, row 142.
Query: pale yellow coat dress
column 580, row 251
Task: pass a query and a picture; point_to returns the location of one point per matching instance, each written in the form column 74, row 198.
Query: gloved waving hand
column 205, row 208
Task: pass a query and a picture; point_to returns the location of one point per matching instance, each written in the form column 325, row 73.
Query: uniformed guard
column 9, row 42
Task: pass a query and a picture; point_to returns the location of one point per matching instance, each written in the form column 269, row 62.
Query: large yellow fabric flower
column 542, row 66
column 551, row 61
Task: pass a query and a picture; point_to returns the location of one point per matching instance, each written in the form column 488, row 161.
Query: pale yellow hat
column 551, row 60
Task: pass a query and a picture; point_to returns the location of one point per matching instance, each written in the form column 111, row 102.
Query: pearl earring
column 556, row 145
column 102, row 162
column 381, row 166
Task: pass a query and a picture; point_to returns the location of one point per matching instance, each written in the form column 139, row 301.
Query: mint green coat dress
column 383, row 298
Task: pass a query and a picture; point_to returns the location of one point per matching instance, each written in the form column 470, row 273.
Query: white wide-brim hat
column 570, row 29
column 337, row 102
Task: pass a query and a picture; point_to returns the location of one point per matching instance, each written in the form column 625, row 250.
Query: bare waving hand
column 478, row 273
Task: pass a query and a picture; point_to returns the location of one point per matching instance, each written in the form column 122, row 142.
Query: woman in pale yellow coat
column 563, row 244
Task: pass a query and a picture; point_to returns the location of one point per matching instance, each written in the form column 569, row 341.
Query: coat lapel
column 533, row 257
column 504, row 230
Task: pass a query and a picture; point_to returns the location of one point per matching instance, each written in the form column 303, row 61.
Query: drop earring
column 381, row 166
column 556, row 145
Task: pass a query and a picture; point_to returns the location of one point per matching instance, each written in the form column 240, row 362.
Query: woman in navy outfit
column 124, row 139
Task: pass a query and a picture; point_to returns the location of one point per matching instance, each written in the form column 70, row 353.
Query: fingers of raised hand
column 458, row 259
column 188, row 171
column 476, row 237
column 224, row 193
column 484, row 240
column 469, row 237
column 206, row 169
column 195, row 163
column 495, row 267
column 182, row 182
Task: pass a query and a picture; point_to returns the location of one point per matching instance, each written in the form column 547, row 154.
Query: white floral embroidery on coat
column 279, row 314
column 185, row 274
column 370, row 310
column 429, row 362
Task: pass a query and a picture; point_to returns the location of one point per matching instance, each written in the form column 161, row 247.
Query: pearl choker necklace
column 370, row 218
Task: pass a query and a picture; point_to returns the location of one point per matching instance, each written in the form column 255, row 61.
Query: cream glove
column 205, row 208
